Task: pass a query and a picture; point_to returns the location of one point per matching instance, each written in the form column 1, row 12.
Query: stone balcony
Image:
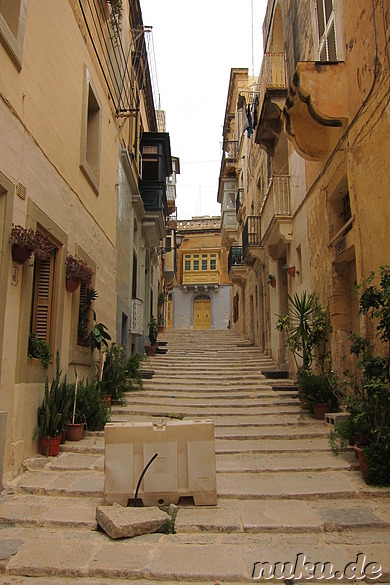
column 275, row 212
column 316, row 111
column 272, row 97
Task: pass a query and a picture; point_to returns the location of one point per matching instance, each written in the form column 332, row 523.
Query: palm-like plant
column 306, row 326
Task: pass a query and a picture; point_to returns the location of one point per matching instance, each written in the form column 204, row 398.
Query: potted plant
column 272, row 280
column 27, row 241
column 39, row 349
column 115, row 17
column 289, row 269
column 320, row 392
column 75, row 427
column 42, row 248
column 152, row 334
column 77, row 271
column 120, row 373
column 85, row 308
column 53, row 413
column 160, row 302
column 368, row 404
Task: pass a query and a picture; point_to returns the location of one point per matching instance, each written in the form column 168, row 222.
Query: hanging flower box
column 77, row 271
column 25, row 242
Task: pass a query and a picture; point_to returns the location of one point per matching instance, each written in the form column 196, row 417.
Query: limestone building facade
column 304, row 160
column 82, row 164
column 201, row 298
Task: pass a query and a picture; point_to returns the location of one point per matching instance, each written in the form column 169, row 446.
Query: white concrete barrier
column 184, row 466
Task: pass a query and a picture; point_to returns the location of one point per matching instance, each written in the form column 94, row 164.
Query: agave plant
column 306, row 326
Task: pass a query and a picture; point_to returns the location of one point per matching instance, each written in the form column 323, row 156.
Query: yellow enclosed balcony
column 272, row 97
column 275, row 212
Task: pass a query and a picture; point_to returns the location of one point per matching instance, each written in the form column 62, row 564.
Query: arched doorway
column 202, row 313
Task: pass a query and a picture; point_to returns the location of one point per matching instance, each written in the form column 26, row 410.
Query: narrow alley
column 281, row 492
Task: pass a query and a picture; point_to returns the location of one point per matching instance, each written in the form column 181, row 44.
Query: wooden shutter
column 43, row 298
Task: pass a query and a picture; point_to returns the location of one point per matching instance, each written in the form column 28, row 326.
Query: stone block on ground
column 120, row 522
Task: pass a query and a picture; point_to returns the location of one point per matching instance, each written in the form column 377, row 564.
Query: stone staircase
column 281, row 492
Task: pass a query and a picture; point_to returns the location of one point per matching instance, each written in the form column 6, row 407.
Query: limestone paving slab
column 44, row 511
column 123, row 522
column 302, row 485
column 69, row 483
column 284, row 462
column 273, row 445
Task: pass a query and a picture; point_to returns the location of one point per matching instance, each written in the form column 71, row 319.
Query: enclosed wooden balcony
column 239, row 204
column 275, row 211
column 237, row 269
column 316, row 110
column 251, row 240
column 171, row 198
column 272, row 97
column 229, row 158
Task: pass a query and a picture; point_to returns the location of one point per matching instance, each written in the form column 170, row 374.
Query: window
column 150, row 163
column 91, row 133
column 339, row 210
column 44, row 298
column 12, row 28
column 213, row 264
column 204, row 264
column 326, row 30
column 195, row 265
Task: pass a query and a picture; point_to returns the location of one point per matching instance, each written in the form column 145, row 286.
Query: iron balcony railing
column 251, row 233
column 239, row 200
column 276, row 203
column 273, row 74
column 235, row 257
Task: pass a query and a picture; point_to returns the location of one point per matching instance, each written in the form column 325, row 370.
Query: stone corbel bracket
column 315, row 114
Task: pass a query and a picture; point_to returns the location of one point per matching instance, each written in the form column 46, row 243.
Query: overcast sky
column 196, row 44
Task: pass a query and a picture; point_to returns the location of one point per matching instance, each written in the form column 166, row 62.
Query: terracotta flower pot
column 20, row 255
column 320, row 410
column 362, row 460
column 291, row 271
column 50, row 446
column 72, row 285
column 272, row 283
column 107, row 399
column 151, row 349
column 74, row 432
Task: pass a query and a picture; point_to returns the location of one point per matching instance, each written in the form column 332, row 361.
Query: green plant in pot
column 39, row 349
column 307, row 330
column 113, row 380
column 153, row 335
column 368, row 405
column 94, row 411
column 320, row 392
column 53, row 412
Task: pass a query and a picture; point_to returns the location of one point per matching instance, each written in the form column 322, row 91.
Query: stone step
column 207, row 411
column 152, row 393
column 204, row 401
column 187, row 558
column 299, row 485
column 49, row 511
column 279, row 516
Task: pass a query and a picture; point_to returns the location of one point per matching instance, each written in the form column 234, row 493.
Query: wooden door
column 202, row 314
